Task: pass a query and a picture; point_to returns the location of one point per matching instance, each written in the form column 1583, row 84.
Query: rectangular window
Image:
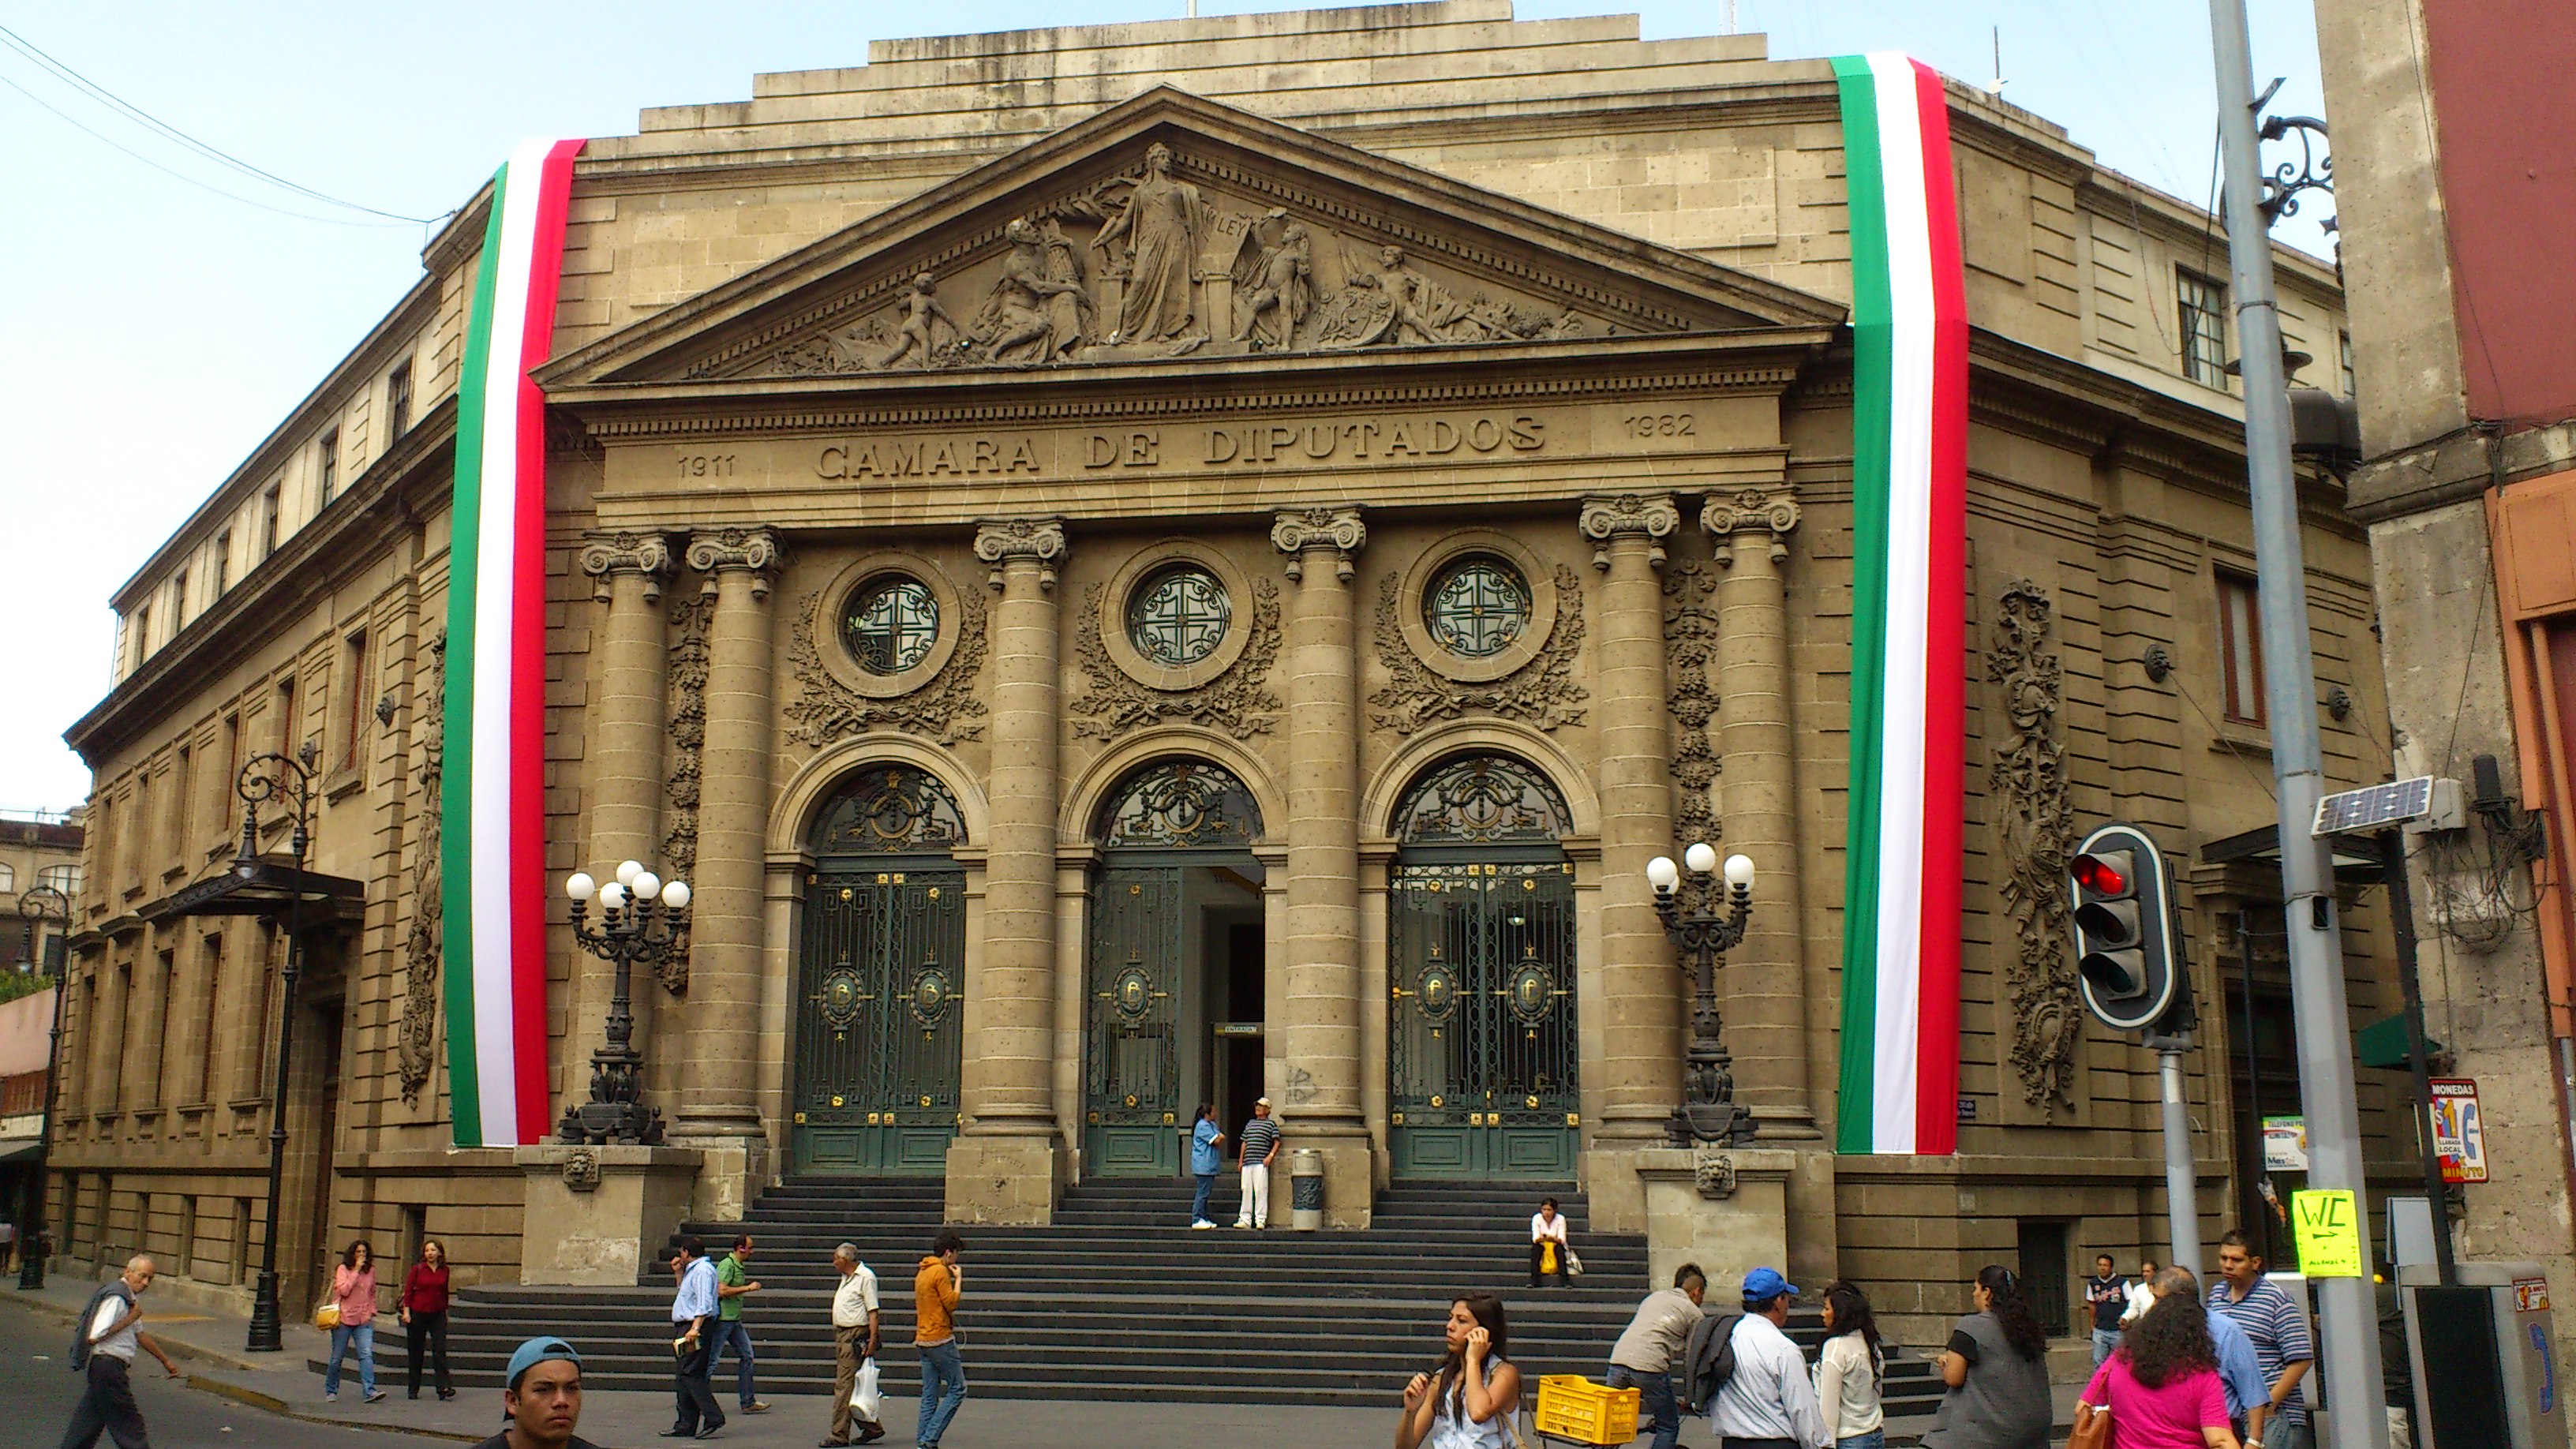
column 268, row 510
column 178, row 600
column 2240, row 649
column 2043, row 1276
column 326, row 458
column 238, row 1270
column 142, row 635
column 223, row 784
column 397, row 400
column 223, row 562
column 354, row 710
column 2343, row 354
column 64, row 878
column 183, row 786
column 209, row 1005
column 139, row 828
column 187, row 1235
column 2203, row 307
column 286, row 721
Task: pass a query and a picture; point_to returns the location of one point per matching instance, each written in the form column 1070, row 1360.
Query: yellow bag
column 328, row 1315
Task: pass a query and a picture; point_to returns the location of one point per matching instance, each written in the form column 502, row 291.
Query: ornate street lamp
column 269, row 777
column 1708, row 1111
column 41, row 904
column 630, row 929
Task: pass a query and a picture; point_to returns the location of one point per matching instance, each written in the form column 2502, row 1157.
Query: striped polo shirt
column 2278, row 1327
column 1259, row 1136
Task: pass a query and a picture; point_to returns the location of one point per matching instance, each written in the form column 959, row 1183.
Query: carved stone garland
column 1690, row 644
column 943, row 708
column 1237, row 701
column 2037, row 823
column 688, row 706
column 1543, row 691
column 416, row 1050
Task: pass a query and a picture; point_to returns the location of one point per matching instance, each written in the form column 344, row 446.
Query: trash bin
column 1306, row 1188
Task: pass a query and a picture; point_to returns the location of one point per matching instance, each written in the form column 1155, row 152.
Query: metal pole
column 2348, row 1317
column 2182, row 1179
column 2401, row 912
column 31, row 1235
column 267, row 1321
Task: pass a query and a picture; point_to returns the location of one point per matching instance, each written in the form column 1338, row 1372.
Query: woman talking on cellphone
column 1467, row 1401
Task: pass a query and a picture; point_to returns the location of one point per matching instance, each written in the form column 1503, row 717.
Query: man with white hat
column 541, row 1397
column 1253, row 1150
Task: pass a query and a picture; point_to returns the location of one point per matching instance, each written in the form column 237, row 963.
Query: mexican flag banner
column 1900, row 1027
column 491, row 804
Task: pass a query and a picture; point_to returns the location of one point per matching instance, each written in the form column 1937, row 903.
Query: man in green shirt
column 733, row 1282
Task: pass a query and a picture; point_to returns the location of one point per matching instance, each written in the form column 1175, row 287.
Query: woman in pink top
column 353, row 1287
column 2162, row 1388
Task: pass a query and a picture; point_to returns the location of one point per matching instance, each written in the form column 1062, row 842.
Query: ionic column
column 1768, row 979
column 1008, row 1087
column 1320, row 1037
column 719, row 1076
column 1641, row 992
column 627, row 571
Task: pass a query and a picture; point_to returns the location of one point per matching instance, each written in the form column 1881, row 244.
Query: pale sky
column 152, row 333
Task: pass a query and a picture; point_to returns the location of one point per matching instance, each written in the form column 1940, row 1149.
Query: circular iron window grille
column 1438, row 992
column 840, row 997
column 1533, row 993
column 1178, row 616
column 930, row 995
column 890, row 623
column 1477, row 607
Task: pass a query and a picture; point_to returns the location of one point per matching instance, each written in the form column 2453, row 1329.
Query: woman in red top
column 424, row 1314
column 2161, row 1387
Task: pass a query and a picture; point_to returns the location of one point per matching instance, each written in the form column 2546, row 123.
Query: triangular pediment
column 1170, row 226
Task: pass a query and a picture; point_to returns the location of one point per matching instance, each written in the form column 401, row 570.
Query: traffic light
column 2126, row 957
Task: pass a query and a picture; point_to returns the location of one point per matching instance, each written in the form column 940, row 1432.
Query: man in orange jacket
column 935, row 1291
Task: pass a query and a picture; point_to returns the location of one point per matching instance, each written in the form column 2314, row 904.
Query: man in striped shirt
column 1254, row 1147
column 2278, row 1326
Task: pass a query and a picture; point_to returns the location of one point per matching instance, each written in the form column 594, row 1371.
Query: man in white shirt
column 2142, row 1292
column 1768, row 1403
column 854, row 1341
column 111, row 1336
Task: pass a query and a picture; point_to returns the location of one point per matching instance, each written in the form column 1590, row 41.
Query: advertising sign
column 2285, row 1144
column 2459, row 1131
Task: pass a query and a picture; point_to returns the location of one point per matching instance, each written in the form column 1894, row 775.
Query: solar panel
column 2353, row 812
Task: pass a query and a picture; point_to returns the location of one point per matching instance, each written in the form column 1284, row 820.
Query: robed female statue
column 1161, row 224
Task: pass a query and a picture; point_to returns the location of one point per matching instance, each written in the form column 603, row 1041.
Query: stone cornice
column 1317, row 530
column 609, row 554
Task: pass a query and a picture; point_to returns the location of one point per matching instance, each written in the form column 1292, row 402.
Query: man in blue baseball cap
column 1768, row 1402
column 541, row 1398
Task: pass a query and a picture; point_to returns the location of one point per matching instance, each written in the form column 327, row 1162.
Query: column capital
column 1751, row 510
column 609, row 554
column 1650, row 516
column 999, row 540
column 728, row 550
column 1296, row 531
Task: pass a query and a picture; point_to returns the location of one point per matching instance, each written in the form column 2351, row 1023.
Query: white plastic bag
column 865, row 1401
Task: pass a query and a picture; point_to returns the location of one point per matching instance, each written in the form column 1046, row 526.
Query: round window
column 1477, row 607
column 1178, row 616
column 890, row 623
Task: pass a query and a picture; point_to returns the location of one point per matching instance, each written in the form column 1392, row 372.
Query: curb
column 254, row 1398
column 176, row 1346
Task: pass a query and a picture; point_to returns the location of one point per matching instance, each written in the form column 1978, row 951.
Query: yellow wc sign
column 2328, row 1226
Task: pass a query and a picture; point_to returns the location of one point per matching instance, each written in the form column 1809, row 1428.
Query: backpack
column 81, row 1345
column 1709, row 1361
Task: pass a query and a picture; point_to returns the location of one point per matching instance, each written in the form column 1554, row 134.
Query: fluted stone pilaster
column 627, row 571
column 1641, row 992
column 719, row 1079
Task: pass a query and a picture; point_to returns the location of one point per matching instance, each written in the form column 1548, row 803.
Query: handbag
column 1573, row 1264
column 2092, row 1428
column 865, row 1400
column 328, row 1314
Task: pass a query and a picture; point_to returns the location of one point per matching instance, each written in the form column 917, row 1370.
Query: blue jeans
column 364, row 1337
column 1655, row 1398
column 1874, row 1439
column 943, row 1388
column 2106, row 1342
column 733, row 1333
column 1198, row 1204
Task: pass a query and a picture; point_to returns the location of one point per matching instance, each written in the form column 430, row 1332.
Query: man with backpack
column 1751, row 1377
column 103, row 1348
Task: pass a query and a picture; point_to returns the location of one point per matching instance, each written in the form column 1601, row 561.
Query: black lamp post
column 39, row 905
column 631, row 928
column 289, row 781
column 1708, row 1110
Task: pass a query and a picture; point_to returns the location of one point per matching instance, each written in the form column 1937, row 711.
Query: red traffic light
column 2097, row 874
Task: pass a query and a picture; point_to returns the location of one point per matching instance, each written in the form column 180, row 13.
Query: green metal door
column 1132, row 1099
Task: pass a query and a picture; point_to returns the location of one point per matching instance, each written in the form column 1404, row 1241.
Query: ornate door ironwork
column 880, row 975
column 1483, row 1056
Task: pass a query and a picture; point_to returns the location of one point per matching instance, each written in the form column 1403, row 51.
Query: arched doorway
column 880, row 967
column 1174, row 977
column 1482, row 1054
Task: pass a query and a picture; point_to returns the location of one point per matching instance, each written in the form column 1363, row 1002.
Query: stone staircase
column 1119, row 1294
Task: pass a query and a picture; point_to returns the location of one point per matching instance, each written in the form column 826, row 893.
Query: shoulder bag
column 2092, row 1428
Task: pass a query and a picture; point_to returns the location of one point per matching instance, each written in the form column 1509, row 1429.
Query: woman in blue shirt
column 1205, row 1163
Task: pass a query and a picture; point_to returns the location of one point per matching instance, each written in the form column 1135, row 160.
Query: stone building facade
column 1175, row 562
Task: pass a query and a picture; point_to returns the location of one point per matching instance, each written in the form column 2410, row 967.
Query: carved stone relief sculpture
column 416, row 1051
column 1160, row 225
column 1237, row 701
column 1690, row 644
column 944, row 708
column 1542, row 692
column 688, row 716
column 2037, row 823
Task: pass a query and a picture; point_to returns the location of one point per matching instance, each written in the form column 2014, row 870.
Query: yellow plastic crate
column 1573, row 1407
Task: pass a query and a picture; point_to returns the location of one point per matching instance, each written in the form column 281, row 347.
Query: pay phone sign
column 2459, row 1130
